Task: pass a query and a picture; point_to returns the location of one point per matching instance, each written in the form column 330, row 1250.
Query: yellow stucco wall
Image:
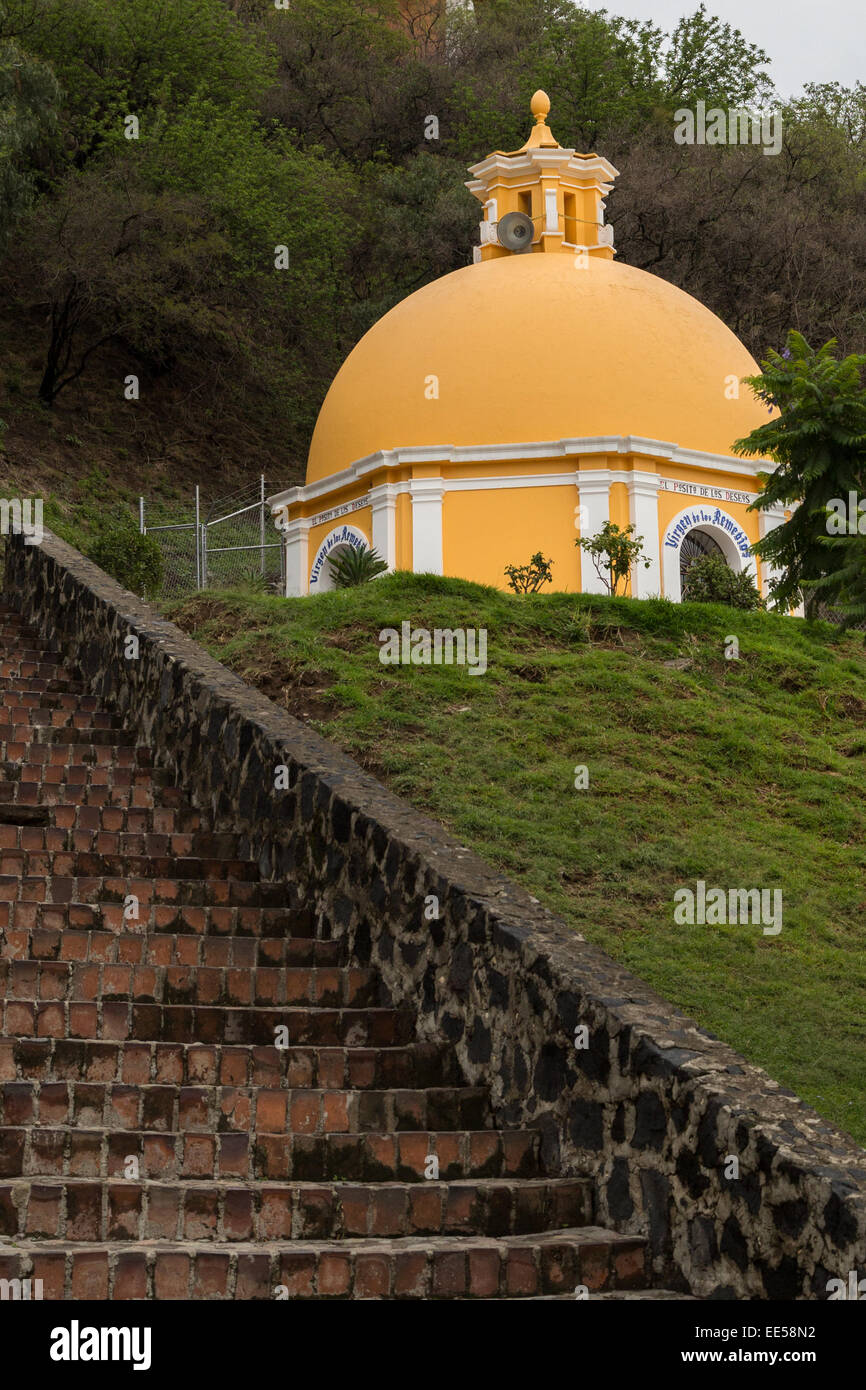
column 484, row 531
column 404, row 532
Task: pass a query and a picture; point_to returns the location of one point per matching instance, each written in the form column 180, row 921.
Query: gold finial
column 540, row 107
column 541, row 137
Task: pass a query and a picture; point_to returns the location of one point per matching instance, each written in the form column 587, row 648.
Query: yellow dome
column 537, row 347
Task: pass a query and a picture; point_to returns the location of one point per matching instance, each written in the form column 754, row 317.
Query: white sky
column 806, row 41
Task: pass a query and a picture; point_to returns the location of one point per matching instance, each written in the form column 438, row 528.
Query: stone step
column 65, row 766
column 155, row 919
column 80, row 864
column 123, row 790
column 177, row 892
column 409, row 1066
column 27, row 671
column 62, row 747
column 25, row 722
column 126, row 948
column 170, row 820
column 421, row 1268
column 404, row 1156
column 34, row 682
column 313, row 987
column 120, row 1020
column 16, row 699
column 224, row 1109
column 40, row 836
column 24, row 655
column 79, row 762
column 75, row 1210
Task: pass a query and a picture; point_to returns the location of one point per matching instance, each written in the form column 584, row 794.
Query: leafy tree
column 29, row 96
column 264, row 193
column 843, row 589
column 602, row 73
column 355, row 565
column 352, row 77
column 599, row 72
column 528, row 579
column 114, row 60
column 818, row 444
column 412, row 223
column 613, row 551
column 711, row 60
column 111, row 259
column 711, row 580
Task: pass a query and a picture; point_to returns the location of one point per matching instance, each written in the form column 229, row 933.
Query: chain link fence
column 227, row 548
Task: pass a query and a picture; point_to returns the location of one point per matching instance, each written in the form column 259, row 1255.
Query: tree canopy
column 154, row 156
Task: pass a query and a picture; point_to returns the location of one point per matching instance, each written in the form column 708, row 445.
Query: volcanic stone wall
column 653, row 1107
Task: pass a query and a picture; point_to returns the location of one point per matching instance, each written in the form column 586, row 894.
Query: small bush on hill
column 528, row 579
column 711, row 581
column 119, row 548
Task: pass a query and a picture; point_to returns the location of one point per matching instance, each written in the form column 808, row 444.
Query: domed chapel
column 526, row 399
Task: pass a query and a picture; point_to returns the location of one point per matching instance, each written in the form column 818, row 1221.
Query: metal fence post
column 204, row 556
column 198, row 583
column 141, row 515
column 262, row 526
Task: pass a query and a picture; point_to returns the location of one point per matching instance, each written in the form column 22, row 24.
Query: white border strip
column 509, row 453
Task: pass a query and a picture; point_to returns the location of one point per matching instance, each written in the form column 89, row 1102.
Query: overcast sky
column 807, row 42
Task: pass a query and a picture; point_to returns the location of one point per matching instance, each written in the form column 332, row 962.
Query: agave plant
column 355, row 566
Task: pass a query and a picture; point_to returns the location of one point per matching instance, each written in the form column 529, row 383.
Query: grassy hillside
column 747, row 773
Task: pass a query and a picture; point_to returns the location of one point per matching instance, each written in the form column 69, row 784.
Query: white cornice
column 511, row 453
column 540, row 161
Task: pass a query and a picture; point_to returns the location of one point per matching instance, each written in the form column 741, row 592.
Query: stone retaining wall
column 652, row 1108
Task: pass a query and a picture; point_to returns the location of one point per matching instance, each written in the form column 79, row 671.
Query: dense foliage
column 711, row 580
column 225, row 195
column 818, row 444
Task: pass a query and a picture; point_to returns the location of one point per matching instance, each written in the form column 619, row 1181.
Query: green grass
column 745, row 773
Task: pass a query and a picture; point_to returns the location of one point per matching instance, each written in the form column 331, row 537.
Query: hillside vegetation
column 745, row 773
column 218, row 198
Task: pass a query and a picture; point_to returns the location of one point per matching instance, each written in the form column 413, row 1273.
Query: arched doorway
column 698, row 545
column 342, row 538
column 698, row 531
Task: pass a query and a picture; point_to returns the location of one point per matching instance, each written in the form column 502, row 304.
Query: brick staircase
column 154, row 1141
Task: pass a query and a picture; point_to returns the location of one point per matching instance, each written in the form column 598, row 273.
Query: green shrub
column 119, row 548
column 356, row 566
column 528, row 579
column 711, row 581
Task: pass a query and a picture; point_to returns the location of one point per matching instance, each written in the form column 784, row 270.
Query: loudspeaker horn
column 515, row 231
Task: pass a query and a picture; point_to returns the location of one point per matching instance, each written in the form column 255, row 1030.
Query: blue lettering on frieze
column 700, row 516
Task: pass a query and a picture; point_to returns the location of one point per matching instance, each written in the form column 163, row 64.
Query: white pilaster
column 594, row 492
column 384, row 507
column 768, row 521
column 296, row 544
column 426, row 494
column 643, row 512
